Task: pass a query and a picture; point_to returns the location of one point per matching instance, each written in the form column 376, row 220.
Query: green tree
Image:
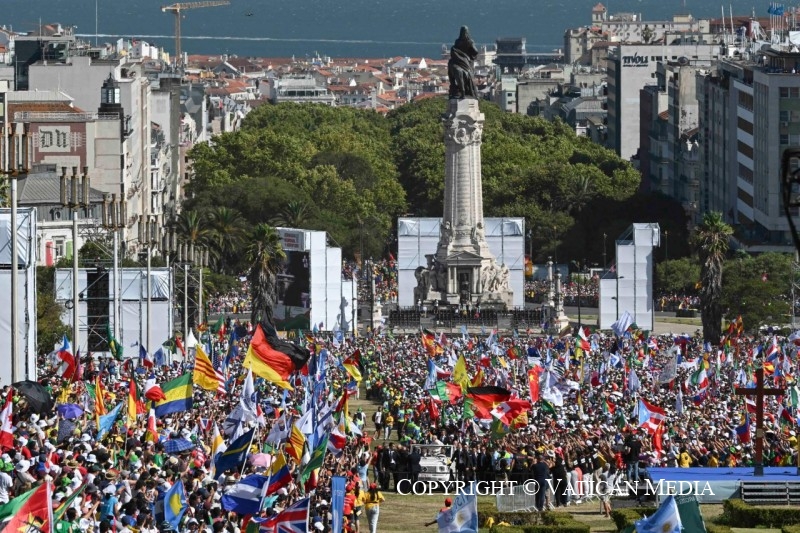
column 679, row 276
column 49, row 327
column 756, row 288
column 227, row 233
column 265, row 256
column 710, row 240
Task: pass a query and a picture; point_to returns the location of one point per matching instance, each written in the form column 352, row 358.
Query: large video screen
column 293, row 311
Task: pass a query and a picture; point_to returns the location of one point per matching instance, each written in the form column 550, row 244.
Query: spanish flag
column 178, row 396
column 274, row 359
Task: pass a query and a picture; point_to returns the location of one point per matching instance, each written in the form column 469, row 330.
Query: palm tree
column 265, row 255
column 293, row 215
column 227, row 235
column 193, row 228
column 710, row 240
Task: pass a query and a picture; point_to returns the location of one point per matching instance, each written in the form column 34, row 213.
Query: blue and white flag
column 462, row 516
column 245, row 496
column 666, row 519
column 622, row 324
column 106, row 422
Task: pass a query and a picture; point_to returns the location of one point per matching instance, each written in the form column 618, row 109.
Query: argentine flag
column 666, row 519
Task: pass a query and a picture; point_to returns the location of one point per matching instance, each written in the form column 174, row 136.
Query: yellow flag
column 204, row 375
column 460, row 375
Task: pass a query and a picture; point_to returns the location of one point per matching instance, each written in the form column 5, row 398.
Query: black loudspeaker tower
column 97, row 309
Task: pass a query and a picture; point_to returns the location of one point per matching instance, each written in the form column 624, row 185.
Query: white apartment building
column 630, row 68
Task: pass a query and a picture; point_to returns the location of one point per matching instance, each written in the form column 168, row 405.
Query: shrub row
column 741, row 514
column 550, row 523
column 626, row 517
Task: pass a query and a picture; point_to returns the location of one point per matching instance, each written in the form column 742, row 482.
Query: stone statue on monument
column 423, row 283
column 460, row 68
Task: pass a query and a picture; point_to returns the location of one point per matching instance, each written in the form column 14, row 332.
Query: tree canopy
column 351, row 172
column 756, row 289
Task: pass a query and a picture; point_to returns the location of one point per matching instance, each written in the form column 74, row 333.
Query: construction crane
column 177, row 9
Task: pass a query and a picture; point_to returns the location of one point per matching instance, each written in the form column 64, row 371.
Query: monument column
column 462, row 249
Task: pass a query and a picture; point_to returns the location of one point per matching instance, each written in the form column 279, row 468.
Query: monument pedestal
column 463, row 270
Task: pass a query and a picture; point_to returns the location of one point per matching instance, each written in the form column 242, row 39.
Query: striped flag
column 205, row 375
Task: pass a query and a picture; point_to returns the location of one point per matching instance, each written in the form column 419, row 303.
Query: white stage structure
column 26, row 294
column 311, row 289
column 133, row 306
column 630, row 287
column 418, row 237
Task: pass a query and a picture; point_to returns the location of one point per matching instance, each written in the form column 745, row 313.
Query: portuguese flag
column 31, row 511
column 447, row 392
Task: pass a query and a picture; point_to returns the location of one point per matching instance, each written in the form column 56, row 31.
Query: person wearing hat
column 448, row 503
column 372, row 500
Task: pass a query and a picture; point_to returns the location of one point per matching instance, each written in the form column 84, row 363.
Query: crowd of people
column 383, row 271
column 582, row 421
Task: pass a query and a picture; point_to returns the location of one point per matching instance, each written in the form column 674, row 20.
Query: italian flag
column 699, row 379
column 31, row 511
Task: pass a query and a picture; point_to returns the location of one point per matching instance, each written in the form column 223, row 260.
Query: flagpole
column 248, row 448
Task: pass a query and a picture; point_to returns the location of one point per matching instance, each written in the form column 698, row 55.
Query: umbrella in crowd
column 38, row 397
column 173, row 446
column 70, row 411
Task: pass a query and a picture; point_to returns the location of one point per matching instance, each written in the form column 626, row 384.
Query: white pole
column 200, row 295
column 148, row 288
column 75, row 295
column 185, row 302
column 14, row 283
column 115, row 311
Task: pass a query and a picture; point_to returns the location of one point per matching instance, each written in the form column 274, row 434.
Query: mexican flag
column 31, row 511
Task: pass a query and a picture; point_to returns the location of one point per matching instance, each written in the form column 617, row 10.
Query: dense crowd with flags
column 243, row 430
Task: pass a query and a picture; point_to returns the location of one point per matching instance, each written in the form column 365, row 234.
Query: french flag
column 145, row 359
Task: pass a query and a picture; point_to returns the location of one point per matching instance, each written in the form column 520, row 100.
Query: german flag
column 430, row 344
column 274, row 359
column 484, row 399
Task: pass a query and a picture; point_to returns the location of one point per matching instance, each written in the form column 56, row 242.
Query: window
column 58, row 248
column 794, row 92
column 784, row 92
column 784, row 116
column 784, row 140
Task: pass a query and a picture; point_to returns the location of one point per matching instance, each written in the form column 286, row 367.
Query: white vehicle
column 435, row 462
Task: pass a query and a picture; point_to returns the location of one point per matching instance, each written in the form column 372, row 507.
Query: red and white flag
column 152, row 391
column 6, row 427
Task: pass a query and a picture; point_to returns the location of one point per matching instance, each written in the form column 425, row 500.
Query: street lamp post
column 78, row 198
column 114, row 217
column 604, row 251
column 666, row 244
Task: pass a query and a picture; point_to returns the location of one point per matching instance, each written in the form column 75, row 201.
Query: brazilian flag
column 113, row 345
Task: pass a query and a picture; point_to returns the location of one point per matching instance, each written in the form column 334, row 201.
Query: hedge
column 791, row 529
column 626, row 517
column 741, row 514
column 718, row 528
column 550, row 523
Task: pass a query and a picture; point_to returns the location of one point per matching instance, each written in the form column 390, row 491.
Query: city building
column 632, row 67
column 750, row 113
